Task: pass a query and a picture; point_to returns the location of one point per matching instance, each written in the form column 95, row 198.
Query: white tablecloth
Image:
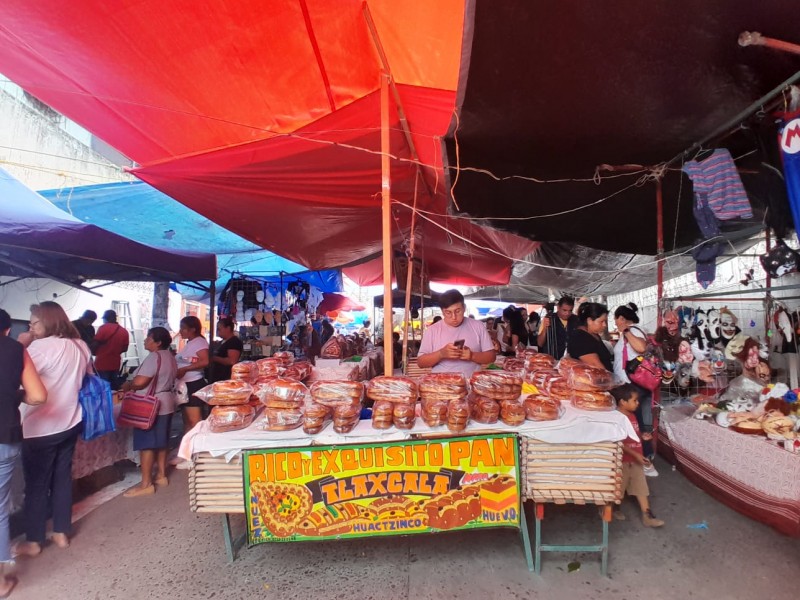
column 574, row 427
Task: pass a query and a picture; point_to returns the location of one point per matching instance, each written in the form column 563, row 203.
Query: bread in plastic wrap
column 542, row 408
column 281, row 419
column 587, row 400
column 316, row 417
column 512, row 412
column 246, row 370
column 514, row 365
column 382, row 414
column 337, row 392
column 394, row 389
column 457, row 415
column 285, row 358
column 225, row 393
column 442, row 384
column 485, row 410
column 558, row 388
column 268, row 367
column 538, row 360
column 566, row 363
column 345, row 418
column 404, row 416
column 300, row 370
column 230, row 418
column 282, row 393
column 586, row 377
column 497, row 385
column 433, row 411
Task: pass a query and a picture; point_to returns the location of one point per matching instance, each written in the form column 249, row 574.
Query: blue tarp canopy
column 39, row 240
column 142, row 213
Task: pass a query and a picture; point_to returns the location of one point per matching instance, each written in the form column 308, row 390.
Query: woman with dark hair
column 16, row 369
column 227, row 353
column 519, row 333
column 632, row 343
column 51, row 430
column 191, row 362
column 327, row 331
column 153, row 443
column 584, row 342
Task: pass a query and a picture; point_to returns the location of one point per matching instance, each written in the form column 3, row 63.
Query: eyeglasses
column 453, row 313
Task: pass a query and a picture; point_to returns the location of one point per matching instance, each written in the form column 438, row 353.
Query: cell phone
column 459, row 344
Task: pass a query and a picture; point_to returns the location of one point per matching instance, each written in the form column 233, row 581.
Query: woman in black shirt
column 584, row 342
column 227, row 353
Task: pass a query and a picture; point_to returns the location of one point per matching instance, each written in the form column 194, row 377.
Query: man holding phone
column 455, row 344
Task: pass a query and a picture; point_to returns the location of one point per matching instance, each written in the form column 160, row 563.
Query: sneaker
column 649, row 520
column 650, row 471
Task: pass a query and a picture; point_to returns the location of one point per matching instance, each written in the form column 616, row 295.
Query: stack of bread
column 284, row 400
column 268, row 367
column 537, row 360
column 230, row 401
column 589, row 385
column 458, row 415
column 540, row 407
column 246, row 370
column 285, row 358
column 437, row 391
column 299, row 371
column 315, row 418
column 515, row 365
column 342, row 398
column 501, row 387
column 401, row 393
column 230, row 418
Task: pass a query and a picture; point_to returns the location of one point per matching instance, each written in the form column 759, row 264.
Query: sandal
column 60, row 539
column 30, row 549
column 12, row 583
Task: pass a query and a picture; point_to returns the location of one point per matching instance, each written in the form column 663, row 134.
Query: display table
column 583, row 467
column 748, row 473
column 104, row 451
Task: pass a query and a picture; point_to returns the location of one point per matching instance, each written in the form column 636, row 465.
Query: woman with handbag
column 51, row 430
column 157, row 375
column 16, row 369
column 632, row 344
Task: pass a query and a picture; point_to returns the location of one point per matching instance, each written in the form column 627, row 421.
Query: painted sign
column 396, row 488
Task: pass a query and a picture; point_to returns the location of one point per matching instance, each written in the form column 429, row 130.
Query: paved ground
column 154, row 547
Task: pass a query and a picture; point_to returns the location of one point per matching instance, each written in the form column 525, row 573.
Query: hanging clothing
column 790, row 149
column 717, row 176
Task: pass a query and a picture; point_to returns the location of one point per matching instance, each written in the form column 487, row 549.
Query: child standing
column 634, row 482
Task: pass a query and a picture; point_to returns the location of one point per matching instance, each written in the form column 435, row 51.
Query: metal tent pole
column 386, row 200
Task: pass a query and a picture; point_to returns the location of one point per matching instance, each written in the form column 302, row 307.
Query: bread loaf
column 226, row 393
column 244, row 371
column 498, row 385
column 394, row 389
column 230, row 418
column 512, row 412
column 542, row 408
column 485, row 410
column 588, row 400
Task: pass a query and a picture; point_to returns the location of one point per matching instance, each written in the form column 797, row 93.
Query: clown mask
column 727, row 324
column 717, row 361
column 667, row 372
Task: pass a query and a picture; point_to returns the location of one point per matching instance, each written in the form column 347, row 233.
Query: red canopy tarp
column 263, row 115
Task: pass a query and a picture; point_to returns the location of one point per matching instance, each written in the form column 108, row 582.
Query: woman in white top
column 632, row 343
column 153, row 443
column 51, row 430
column 192, row 360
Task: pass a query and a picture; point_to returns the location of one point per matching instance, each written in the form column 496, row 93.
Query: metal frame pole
column 386, row 207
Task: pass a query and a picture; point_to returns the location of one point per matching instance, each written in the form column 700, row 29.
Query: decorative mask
column 751, row 362
column 685, row 355
column 686, row 316
column 684, row 375
column 727, row 324
column 701, row 323
column 745, row 404
column 763, row 372
column 717, row 361
column 713, row 324
column 671, row 322
column 667, row 372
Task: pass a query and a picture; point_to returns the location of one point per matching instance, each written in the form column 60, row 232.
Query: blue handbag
column 98, row 407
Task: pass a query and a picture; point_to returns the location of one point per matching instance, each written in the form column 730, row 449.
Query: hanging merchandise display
column 780, row 261
column 790, row 150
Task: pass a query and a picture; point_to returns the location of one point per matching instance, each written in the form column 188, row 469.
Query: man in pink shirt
column 455, row 344
column 110, row 341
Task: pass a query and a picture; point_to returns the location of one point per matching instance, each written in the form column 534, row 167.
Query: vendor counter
column 748, row 473
column 575, row 459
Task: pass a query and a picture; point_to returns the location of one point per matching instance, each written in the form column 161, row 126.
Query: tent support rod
column 212, row 300
column 195, row 286
column 17, row 265
column 795, row 286
column 386, row 208
column 12, row 281
column 734, row 122
column 401, row 113
column 660, row 241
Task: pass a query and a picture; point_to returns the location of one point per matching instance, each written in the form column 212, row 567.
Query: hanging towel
column 717, row 176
